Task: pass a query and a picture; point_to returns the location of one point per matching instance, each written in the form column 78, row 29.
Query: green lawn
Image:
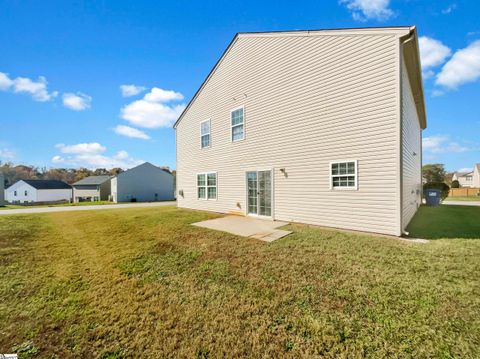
column 143, row 283
column 446, row 222
column 470, row 198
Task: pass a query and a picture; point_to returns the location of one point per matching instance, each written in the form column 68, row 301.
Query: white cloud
column 37, row 89
column 463, row 67
column 160, row 95
column 153, row 111
column 130, row 132
column 363, row 10
column 449, row 9
column 131, row 90
column 82, row 148
column 437, row 93
column 5, row 81
column 94, row 158
column 432, row 52
column 442, row 144
column 7, row 154
column 76, row 102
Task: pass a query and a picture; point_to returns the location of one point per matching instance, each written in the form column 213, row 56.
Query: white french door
column 259, row 193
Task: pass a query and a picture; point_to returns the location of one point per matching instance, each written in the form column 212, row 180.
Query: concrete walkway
column 264, row 230
column 462, row 203
column 82, row 208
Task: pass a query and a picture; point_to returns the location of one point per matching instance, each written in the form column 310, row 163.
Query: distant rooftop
column 92, row 180
column 47, row 184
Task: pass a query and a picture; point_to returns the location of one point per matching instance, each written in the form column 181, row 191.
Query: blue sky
column 64, row 66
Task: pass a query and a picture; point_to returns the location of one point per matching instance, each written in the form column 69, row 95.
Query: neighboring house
column 2, row 190
column 468, row 179
column 321, row 127
column 29, row 191
column 144, row 183
column 93, row 188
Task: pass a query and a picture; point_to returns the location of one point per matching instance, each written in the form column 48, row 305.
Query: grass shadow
column 446, row 221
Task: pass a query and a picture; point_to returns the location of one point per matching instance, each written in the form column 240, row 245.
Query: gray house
column 144, row 183
column 93, row 188
column 321, row 127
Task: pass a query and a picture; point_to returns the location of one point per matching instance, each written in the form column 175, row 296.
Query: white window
column 343, row 175
column 26, row 193
column 205, row 133
column 15, row 193
column 237, row 118
column 207, row 185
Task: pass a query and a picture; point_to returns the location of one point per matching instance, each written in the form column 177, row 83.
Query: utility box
column 432, row 197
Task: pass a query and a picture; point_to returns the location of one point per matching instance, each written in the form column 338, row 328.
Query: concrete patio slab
column 264, row 230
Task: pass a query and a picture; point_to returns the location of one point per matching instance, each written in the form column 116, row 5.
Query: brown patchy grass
column 142, row 283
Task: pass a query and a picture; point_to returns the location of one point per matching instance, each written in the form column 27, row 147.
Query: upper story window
column 207, row 185
column 237, row 118
column 468, row 178
column 343, row 175
column 26, row 193
column 205, row 133
column 15, row 193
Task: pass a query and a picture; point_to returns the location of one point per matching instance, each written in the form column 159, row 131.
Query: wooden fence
column 464, row 192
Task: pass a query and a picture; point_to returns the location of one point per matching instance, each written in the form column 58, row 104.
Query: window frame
column 243, row 123
column 206, row 186
column 209, row 134
column 347, row 188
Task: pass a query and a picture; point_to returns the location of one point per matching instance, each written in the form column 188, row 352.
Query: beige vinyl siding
column 411, row 144
column 309, row 100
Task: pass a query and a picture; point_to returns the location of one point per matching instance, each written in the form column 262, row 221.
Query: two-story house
column 92, row 188
column 321, row 127
column 468, row 179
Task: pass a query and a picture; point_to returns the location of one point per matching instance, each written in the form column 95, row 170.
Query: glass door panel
column 265, row 193
column 259, row 187
column 252, row 192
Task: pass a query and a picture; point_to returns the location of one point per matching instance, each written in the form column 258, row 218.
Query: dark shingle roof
column 47, row 184
column 92, row 180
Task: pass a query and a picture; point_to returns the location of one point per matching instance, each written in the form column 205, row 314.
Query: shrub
column 455, row 184
column 438, row 185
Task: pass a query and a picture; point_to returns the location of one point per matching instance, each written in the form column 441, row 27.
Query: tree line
column 14, row 173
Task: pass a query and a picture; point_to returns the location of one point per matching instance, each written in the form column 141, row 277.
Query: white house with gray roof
column 92, row 188
column 34, row 191
column 321, row 127
column 468, row 179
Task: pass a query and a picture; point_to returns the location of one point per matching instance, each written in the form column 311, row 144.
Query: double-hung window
column 237, row 118
column 205, row 133
column 343, row 175
column 207, row 185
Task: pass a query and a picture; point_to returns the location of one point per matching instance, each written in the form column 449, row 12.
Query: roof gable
column 145, row 164
column 401, row 31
